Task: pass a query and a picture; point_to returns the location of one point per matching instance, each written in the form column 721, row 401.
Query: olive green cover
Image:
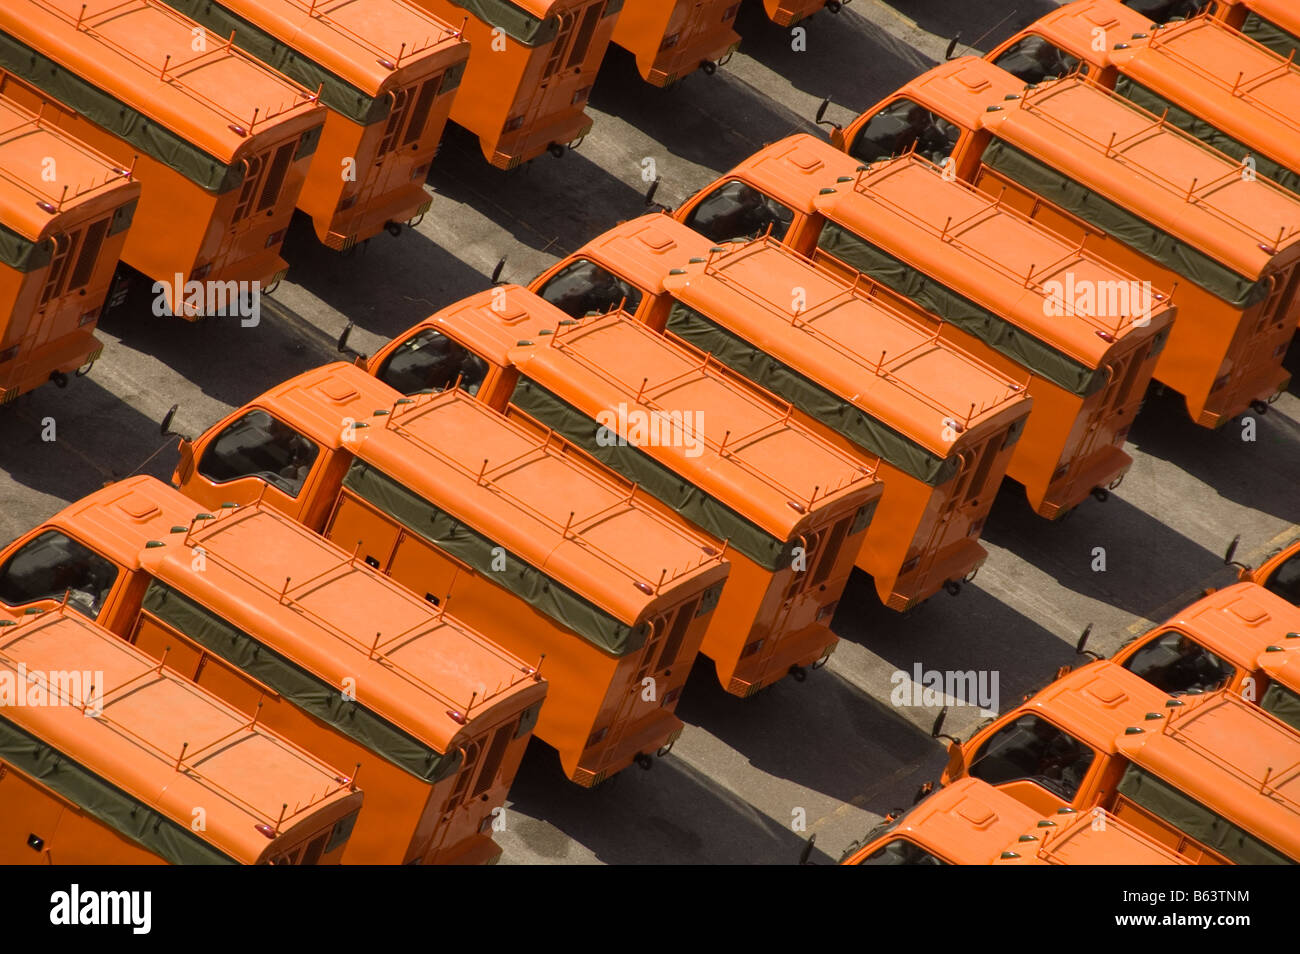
column 154, row 140
column 1282, row 703
column 21, row 253
column 124, row 813
column 519, row 24
column 1195, row 820
column 995, row 331
column 814, row 400
column 1194, row 126
column 535, row 587
column 1271, row 35
column 1101, row 213
column 305, row 690
column 665, row 484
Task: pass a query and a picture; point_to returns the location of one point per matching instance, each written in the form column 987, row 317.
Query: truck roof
column 33, row 207
column 566, row 518
column 375, row 45
column 162, row 740
column 990, row 252
column 1244, row 622
column 1096, row 702
column 868, row 353
column 1087, row 838
column 141, row 53
column 772, row 468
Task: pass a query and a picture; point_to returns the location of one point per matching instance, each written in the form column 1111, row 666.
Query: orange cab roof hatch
column 572, row 521
column 953, row 231
column 164, row 742
column 1244, row 622
column 1231, row 753
column 1098, row 701
column 29, row 205
column 645, row 249
column 142, row 52
column 750, row 449
column 1154, row 170
column 371, row 44
column 891, row 367
column 1073, row 27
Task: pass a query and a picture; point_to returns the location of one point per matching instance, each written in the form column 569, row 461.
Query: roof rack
column 36, row 121
column 387, row 57
column 288, row 595
column 1172, row 728
column 949, row 234
column 485, row 476
column 1242, row 87
column 804, row 321
column 169, row 71
column 645, row 395
column 1196, row 193
column 185, row 761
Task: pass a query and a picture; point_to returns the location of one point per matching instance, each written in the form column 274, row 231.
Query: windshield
column 1162, row 11
column 901, row 852
column 257, row 445
column 737, row 211
column 51, row 565
column 1285, row 581
column 898, row 127
column 584, row 288
column 1177, row 663
column 430, row 361
column 1032, row 749
column 1033, row 60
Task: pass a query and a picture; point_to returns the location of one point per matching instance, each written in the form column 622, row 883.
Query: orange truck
column 1134, row 190
column 306, row 639
column 1274, row 23
column 387, row 72
column 1212, row 778
column 673, row 38
column 1200, row 75
column 533, row 64
column 64, row 214
column 1279, row 573
column 787, row 13
column 121, row 760
column 941, row 423
column 1241, row 638
column 1083, row 334
column 789, row 507
column 546, row 554
column 972, row 823
column 220, row 143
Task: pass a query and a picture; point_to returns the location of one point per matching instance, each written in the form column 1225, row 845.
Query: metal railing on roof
column 388, row 59
column 486, row 476
column 720, row 259
column 200, row 533
column 645, row 396
column 28, row 184
column 169, row 70
column 1195, row 193
column 950, row 233
column 185, row 761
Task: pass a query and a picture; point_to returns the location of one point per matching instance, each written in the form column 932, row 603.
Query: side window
column 257, row 445
column 584, row 288
column 51, row 565
column 430, row 361
column 1034, row 750
column 895, row 129
column 1177, row 663
column 736, row 211
column 1285, row 581
column 1033, row 60
column 901, row 852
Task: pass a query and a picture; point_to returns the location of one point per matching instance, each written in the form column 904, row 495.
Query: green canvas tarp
column 1155, row 244
column 535, row 587
column 995, row 331
column 517, row 23
column 1271, row 35
column 841, row 416
column 305, row 690
column 1195, row 820
column 124, row 813
column 151, row 138
column 1194, row 126
column 21, row 253
column 1283, row 703
column 666, row 485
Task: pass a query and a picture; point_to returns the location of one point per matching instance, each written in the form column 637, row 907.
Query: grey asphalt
column 749, row 779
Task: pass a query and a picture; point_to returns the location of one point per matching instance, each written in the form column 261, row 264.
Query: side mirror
column 343, row 348
column 821, row 119
column 807, row 849
column 1231, row 552
column 1080, row 646
column 952, row 47
column 650, row 196
column 165, row 428
column 496, row 272
column 936, row 731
